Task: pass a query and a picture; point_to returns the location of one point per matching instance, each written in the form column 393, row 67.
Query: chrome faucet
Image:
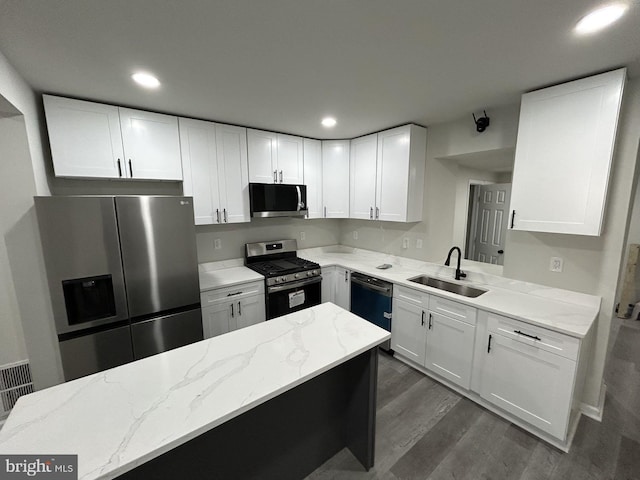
column 459, row 273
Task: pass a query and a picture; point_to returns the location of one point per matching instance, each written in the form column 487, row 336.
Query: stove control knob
column 309, row 274
column 296, row 275
column 315, row 272
column 283, row 279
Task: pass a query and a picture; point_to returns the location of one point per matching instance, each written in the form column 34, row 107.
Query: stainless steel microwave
column 278, row 200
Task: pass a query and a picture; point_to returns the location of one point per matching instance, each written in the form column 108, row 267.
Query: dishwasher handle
column 367, row 283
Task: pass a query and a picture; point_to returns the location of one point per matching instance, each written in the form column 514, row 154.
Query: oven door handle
column 289, row 286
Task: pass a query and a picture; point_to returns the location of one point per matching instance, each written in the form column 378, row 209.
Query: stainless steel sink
column 456, row 288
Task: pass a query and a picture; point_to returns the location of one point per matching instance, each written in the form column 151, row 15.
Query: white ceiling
column 284, row 64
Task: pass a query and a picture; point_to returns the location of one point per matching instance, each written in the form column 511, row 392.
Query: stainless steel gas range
column 292, row 283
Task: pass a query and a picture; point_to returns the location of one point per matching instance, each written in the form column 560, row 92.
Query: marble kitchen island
column 274, row 400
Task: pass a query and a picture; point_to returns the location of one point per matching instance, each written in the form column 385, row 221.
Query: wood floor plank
column 392, row 384
column 428, row 452
column 542, row 463
column 628, row 464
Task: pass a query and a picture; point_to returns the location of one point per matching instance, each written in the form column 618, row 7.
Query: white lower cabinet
column 442, row 343
column 336, row 286
column 527, row 374
column 342, row 288
column 450, row 348
column 408, row 331
column 231, row 308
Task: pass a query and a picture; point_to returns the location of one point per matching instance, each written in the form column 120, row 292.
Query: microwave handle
column 300, row 204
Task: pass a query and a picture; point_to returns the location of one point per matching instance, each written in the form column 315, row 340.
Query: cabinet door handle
column 489, row 345
column 239, row 309
column 325, row 212
column 280, row 176
column 130, row 168
column 513, row 217
column 224, row 210
column 275, row 176
column 218, row 215
column 371, row 213
column 430, row 321
column 232, row 313
column 346, row 276
column 526, row 335
column 119, row 169
column 234, row 293
column 422, row 320
column 377, row 213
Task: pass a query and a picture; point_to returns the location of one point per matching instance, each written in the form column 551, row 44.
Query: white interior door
column 491, row 222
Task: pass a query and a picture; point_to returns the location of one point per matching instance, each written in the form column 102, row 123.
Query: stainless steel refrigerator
column 123, row 277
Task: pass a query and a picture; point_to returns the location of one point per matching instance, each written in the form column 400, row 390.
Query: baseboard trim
column 595, row 412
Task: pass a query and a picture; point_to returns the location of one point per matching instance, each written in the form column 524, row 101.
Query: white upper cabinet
column 215, row 171
column 563, row 155
column 151, row 145
column 335, row 178
column 364, row 157
column 313, row 177
column 85, row 138
column 275, row 158
column 94, row 140
column 400, row 173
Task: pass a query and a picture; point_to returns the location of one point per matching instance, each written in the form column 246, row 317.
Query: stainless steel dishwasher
column 371, row 299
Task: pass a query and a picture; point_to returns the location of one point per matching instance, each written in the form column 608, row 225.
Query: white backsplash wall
column 318, row 233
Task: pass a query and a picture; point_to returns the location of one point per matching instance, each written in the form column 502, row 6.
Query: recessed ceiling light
column 146, row 80
column 329, row 122
column 600, row 18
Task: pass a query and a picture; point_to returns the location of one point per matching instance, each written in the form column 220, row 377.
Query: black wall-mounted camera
column 481, row 123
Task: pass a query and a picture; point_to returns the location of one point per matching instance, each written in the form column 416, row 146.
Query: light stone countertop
column 564, row 311
column 120, row 418
column 225, row 274
column 560, row 310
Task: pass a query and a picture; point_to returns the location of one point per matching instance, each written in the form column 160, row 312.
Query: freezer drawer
column 160, row 334
column 96, row 352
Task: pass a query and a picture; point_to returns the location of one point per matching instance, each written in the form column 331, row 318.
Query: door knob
column 500, row 252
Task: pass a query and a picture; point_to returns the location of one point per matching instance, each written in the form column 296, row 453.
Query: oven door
column 294, row 296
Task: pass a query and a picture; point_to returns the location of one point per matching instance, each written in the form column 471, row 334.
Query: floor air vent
column 15, row 381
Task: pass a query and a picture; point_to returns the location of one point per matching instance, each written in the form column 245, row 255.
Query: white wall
column 14, row 174
column 25, row 307
column 233, row 237
column 591, row 264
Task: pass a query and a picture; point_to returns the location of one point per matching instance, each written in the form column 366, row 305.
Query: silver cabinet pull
column 377, row 213
column 325, row 212
column 370, row 213
column 218, row 215
column 280, row 176
column 275, row 176
column 430, row 321
column 119, row 169
column 232, row 314
column 224, row 210
column 346, row 276
column 422, row 319
column 130, row 168
column 239, row 309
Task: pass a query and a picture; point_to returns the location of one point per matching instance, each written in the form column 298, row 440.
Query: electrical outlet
column 303, row 236
column 556, row 264
column 217, row 244
column 419, row 243
column 355, row 234
column 405, row 242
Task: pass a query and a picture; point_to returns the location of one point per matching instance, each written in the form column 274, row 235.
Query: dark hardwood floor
column 426, row 431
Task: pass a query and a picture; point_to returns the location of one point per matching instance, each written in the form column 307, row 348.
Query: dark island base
column 287, row 437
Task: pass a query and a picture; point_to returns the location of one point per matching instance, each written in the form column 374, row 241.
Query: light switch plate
column 556, row 264
column 355, row 234
column 303, row 236
column 405, row 242
column 419, row 243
